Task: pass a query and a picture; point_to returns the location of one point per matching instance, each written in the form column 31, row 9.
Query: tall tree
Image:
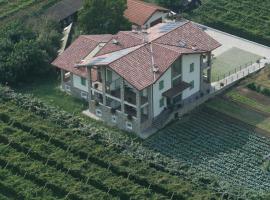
column 24, row 53
column 174, row 5
column 103, row 16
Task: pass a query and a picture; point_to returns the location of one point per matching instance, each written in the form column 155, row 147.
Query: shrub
column 252, row 86
column 266, row 92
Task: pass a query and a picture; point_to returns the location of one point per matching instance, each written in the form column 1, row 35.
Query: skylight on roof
column 182, row 43
column 170, row 26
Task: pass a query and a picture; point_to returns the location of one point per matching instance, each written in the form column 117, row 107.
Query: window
column 191, row 69
column 191, row 85
column 114, row 119
column 161, row 85
column 84, row 95
column 98, row 113
column 67, row 87
column 129, row 125
column 176, row 69
column 83, row 81
column 161, row 102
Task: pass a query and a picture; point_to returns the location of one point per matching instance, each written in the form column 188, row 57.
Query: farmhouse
column 136, row 78
column 141, row 14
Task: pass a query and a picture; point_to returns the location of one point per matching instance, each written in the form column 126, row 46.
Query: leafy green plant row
column 60, row 166
column 17, row 8
column 83, row 156
column 224, row 148
column 29, row 174
column 139, row 180
column 61, row 183
column 17, row 187
column 236, row 18
column 83, row 166
column 125, row 153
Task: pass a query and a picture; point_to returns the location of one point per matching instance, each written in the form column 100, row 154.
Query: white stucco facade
column 157, row 93
column 188, row 76
column 77, row 83
column 155, row 17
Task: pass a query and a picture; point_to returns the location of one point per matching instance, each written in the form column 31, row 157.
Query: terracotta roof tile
column 138, row 12
column 124, row 39
column 136, row 67
column 191, row 35
column 131, row 58
column 78, row 50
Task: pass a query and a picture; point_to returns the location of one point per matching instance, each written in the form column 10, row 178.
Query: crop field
column 44, row 156
column 213, row 143
column 15, row 9
column 246, row 18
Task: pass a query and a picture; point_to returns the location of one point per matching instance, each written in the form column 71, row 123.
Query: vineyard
column 216, row 145
column 15, row 9
column 246, row 18
column 52, row 156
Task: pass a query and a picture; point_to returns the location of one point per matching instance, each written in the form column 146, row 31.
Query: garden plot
column 212, row 144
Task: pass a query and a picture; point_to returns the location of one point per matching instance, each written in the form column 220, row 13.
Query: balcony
column 176, row 90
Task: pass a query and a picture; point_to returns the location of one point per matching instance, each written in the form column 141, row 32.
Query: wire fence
column 233, row 71
column 238, row 73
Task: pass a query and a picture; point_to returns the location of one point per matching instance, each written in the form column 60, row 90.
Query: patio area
column 230, row 61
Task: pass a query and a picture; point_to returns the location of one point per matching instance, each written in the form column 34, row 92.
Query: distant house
column 64, row 11
column 141, row 14
column 137, row 79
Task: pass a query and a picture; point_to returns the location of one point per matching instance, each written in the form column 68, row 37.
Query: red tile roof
column 131, row 57
column 139, row 12
column 191, row 35
column 125, row 39
column 77, row 51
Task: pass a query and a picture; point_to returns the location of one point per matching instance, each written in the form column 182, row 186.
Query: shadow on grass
column 48, row 90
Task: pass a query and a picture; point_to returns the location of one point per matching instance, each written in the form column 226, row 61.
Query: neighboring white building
column 138, row 80
column 144, row 14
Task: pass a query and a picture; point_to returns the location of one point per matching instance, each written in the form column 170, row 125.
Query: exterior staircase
column 161, row 119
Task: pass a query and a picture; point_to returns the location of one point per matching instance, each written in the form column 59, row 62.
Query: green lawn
column 48, row 90
column 230, row 60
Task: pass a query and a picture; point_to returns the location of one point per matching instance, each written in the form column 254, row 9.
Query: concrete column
column 209, row 58
column 122, row 95
column 62, row 78
column 210, row 67
column 209, row 75
column 71, row 79
column 103, row 76
column 201, row 72
column 138, row 105
column 150, row 103
column 89, row 78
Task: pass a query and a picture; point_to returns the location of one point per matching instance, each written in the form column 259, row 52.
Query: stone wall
column 107, row 116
